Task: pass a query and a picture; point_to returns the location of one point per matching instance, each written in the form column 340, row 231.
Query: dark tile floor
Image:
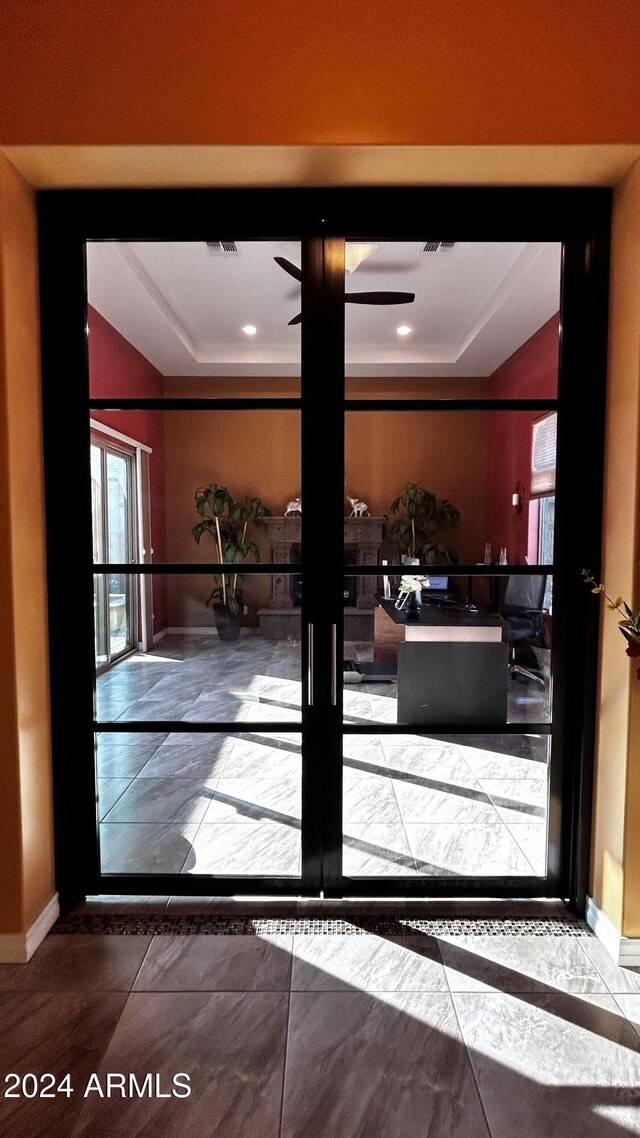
column 334, row 1036
column 225, row 804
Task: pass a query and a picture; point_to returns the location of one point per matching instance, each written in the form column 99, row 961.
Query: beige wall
column 26, row 845
column 616, row 834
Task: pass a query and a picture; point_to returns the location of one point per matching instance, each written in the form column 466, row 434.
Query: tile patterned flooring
column 332, row 1036
column 230, row 804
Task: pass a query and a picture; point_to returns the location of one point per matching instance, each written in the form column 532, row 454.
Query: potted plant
column 227, row 522
column 421, row 516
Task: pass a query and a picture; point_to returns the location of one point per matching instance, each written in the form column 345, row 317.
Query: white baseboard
column 623, row 950
column 158, row 636
column 18, row 948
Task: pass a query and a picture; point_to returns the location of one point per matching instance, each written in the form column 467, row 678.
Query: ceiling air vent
column 440, row 247
column 219, row 248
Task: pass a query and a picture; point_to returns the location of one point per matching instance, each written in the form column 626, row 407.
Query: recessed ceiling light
column 249, row 329
column 404, row 330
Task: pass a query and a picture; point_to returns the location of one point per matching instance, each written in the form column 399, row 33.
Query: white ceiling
column 184, row 307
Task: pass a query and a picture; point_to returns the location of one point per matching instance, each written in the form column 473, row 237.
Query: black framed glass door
column 341, row 743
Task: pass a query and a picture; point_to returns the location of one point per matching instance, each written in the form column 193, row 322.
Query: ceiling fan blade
column 380, row 297
column 297, row 319
column 292, row 270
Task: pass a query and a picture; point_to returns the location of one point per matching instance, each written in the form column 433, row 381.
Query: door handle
column 310, row 665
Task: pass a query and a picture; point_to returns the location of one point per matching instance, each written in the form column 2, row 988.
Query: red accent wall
column 531, row 372
column 116, row 368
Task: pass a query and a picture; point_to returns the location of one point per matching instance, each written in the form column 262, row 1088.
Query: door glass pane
column 445, row 487
column 447, row 649
column 192, row 804
column 212, row 664
column 465, row 319
column 181, row 319
column 252, row 456
column 455, row 806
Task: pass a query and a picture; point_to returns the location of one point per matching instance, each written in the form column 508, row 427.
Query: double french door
column 371, row 649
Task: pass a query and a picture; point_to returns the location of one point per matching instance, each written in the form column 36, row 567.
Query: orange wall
column 26, row 841
column 411, row 72
column 616, row 834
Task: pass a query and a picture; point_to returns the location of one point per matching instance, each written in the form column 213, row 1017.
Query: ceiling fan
column 350, row 297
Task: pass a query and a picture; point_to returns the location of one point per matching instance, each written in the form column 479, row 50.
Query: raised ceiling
column 183, row 306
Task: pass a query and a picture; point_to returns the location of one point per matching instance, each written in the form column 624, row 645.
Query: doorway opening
column 340, row 640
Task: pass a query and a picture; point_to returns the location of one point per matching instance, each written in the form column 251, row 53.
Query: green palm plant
column 421, row 517
column 227, row 522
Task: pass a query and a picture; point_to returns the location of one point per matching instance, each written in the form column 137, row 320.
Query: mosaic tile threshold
column 118, row 925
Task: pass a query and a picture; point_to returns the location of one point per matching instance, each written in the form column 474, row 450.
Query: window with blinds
column 543, row 456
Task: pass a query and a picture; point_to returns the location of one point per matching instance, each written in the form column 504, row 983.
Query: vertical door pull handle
column 310, row 665
column 334, row 665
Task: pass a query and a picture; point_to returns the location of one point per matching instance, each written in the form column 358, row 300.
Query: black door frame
column 579, row 218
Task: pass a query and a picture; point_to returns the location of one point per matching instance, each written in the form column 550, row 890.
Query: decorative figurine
column 294, row 507
column 359, row 509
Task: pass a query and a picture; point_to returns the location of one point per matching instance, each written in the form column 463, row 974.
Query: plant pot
column 228, row 624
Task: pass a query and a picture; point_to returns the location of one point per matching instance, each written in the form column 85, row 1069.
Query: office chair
column 522, row 610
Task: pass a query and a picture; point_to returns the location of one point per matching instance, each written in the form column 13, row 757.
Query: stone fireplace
column 362, row 541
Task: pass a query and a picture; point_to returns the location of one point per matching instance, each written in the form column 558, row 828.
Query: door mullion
column 322, row 540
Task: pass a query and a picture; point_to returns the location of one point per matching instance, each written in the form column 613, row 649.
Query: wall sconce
column 516, row 497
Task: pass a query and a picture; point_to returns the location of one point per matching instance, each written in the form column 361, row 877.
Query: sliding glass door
column 370, row 648
column 114, row 522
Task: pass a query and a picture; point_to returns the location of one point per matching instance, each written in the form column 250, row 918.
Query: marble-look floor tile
column 163, row 800
column 337, row 963
column 59, row 1033
column 109, row 708
column 618, row 980
column 124, row 761
column 630, row 1007
column 532, row 839
column 217, row 964
column 441, row 764
column 518, row 800
column 253, row 849
column 369, row 800
column 139, row 711
column 272, row 713
column 78, row 964
column 210, row 711
column 143, row 740
column 557, row 1065
column 364, row 761
column 147, row 847
column 518, row 964
column 260, row 760
column 376, row 849
column 387, row 1065
column 109, row 791
column 244, row 800
column 231, row 1044
column 487, row 764
column 435, row 800
column 468, row 850
column 203, row 757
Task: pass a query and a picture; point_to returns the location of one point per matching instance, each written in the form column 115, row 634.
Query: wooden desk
column 452, row 665
column 432, row 624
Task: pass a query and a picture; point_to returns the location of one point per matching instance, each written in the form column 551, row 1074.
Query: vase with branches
column 421, row 517
column 227, row 522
